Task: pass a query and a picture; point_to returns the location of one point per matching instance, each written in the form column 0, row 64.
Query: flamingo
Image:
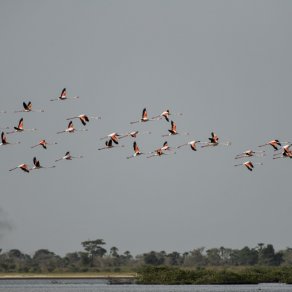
column 23, row 167
column 249, row 153
column 84, row 118
column 68, row 156
column 133, row 134
column 214, row 141
column 286, row 152
column 274, row 143
column 192, row 145
column 71, row 129
column 20, row 128
column 44, row 144
column 144, row 118
column 165, row 114
column 4, row 140
column 159, row 152
column 173, row 130
column 37, row 164
column 64, row 96
column 28, row 108
column 113, row 136
column 137, row 151
column 249, row 165
column 109, row 145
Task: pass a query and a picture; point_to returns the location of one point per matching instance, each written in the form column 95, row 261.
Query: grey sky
column 225, row 64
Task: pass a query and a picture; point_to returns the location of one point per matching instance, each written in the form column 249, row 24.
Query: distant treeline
column 96, row 258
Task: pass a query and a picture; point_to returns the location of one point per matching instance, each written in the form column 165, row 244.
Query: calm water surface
column 102, row 286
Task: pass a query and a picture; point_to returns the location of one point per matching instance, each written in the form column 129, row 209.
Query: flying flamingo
column 173, row 130
column 20, row 128
column 109, row 145
column 28, row 108
column 274, row 143
column 144, row 118
column 71, row 129
column 64, row 96
column 193, row 145
column 37, row 164
column 68, row 156
column 249, row 165
column 113, row 136
column 137, row 151
column 159, row 152
column 165, row 114
column 286, row 152
column 44, row 144
column 84, row 118
column 4, row 140
column 133, row 134
column 23, row 167
column 214, row 141
column 250, row 153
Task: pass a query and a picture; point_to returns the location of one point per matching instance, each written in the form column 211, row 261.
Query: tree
column 94, row 248
column 114, row 252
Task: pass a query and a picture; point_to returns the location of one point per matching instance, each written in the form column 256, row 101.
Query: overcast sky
column 226, row 65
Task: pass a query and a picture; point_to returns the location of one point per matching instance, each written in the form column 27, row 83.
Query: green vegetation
column 198, row 266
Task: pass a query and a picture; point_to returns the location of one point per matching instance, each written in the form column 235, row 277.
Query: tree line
column 96, row 258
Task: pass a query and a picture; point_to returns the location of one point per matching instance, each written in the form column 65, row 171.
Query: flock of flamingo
column 281, row 149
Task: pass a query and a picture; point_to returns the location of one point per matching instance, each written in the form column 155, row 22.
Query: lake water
column 93, row 285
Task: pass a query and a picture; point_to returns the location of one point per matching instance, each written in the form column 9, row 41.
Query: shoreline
column 67, row 276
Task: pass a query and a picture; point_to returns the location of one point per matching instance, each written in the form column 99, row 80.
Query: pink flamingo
column 274, row 143
column 165, row 114
column 4, row 140
column 37, row 164
column 113, row 136
column 71, row 129
column 173, row 130
column 144, row 118
column 133, row 134
column 84, row 118
column 20, row 128
column 192, row 145
column 137, row 151
column 64, row 96
column 28, row 108
column 214, row 141
column 23, row 167
column 250, row 153
column 68, row 156
column 109, row 145
column 44, row 144
column 249, row 165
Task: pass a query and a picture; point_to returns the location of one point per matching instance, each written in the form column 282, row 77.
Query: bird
column 214, row 141
column 249, row 153
column 44, row 144
column 165, row 114
column 84, row 118
column 274, row 143
column 286, row 152
column 144, row 118
column 23, row 167
column 158, row 152
column 137, row 151
column 249, row 165
column 173, row 130
column 37, row 164
column 68, row 156
column 4, row 140
column 20, row 128
column 165, row 147
column 109, row 145
column 28, row 108
column 191, row 143
column 64, row 96
column 113, row 136
column 133, row 134
column 71, row 129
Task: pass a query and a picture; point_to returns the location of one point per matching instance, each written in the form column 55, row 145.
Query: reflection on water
column 93, row 285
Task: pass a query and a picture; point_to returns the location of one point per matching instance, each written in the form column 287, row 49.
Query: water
column 95, row 285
